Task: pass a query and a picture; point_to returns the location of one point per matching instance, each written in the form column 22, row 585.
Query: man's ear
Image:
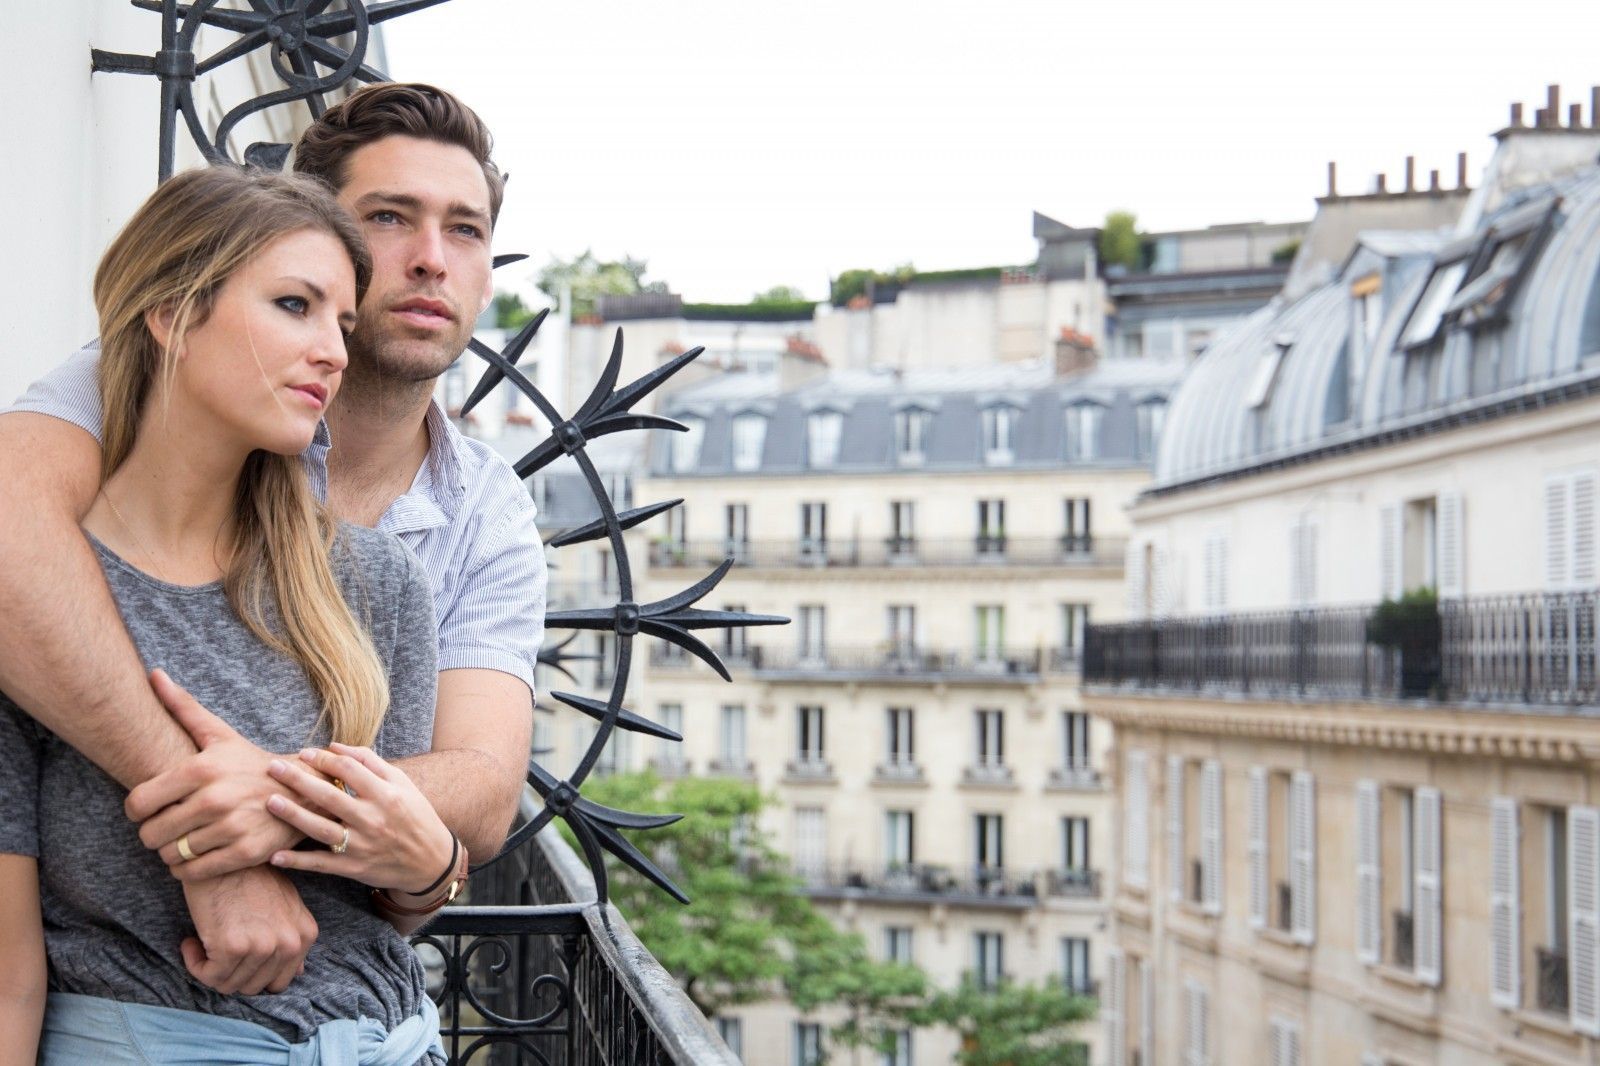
column 159, row 321
column 488, row 294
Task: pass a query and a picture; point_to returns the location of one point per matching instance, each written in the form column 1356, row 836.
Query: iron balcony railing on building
column 1405, row 940
column 933, row 883
column 1537, row 648
column 1552, row 980
column 878, row 663
column 533, row 971
column 810, row 553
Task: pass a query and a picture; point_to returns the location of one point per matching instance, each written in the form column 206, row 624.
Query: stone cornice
column 1472, row 733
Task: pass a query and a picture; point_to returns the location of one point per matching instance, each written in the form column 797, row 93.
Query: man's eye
column 383, row 217
column 297, row 305
column 470, row 231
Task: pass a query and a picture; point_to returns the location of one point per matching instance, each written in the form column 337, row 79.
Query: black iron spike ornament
column 305, row 35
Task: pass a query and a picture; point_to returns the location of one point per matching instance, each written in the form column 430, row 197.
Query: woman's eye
column 297, row 305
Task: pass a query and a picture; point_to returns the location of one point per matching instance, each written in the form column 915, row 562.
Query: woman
column 223, row 305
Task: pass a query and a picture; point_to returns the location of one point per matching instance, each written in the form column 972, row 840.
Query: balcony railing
column 1405, row 940
column 1535, row 649
column 1552, row 977
column 992, row 886
column 879, row 663
column 982, row 550
column 898, row 772
column 532, row 969
column 1074, row 778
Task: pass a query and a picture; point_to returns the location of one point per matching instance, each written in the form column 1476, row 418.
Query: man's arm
column 482, row 733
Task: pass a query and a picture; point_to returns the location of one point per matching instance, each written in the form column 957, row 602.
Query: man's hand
column 217, row 798
column 253, row 932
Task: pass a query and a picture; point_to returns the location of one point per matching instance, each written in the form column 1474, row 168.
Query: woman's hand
column 393, row 839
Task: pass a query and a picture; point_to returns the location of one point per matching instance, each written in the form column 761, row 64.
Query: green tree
column 750, row 932
column 1120, row 243
column 779, row 296
column 1010, row 1024
column 510, row 313
column 591, row 278
column 855, row 282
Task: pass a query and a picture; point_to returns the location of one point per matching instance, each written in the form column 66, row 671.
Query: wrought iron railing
column 982, row 550
column 1537, row 648
column 934, row 883
column 1405, row 940
column 896, row 664
column 1551, row 990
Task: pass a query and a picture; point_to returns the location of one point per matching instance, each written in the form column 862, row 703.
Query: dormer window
column 1083, row 431
column 1151, row 415
column 684, row 455
column 999, row 425
column 1498, row 269
column 749, row 440
column 1430, row 316
column 823, row 429
column 910, row 435
column 1367, row 293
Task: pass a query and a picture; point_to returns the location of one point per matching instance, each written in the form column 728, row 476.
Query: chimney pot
column 1516, row 114
column 1382, row 183
column 1433, row 181
column 1594, row 105
column 1552, row 104
column 1411, row 173
column 1461, row 170
column 1333, row 179
column 1540, row 119
column 1575, row 116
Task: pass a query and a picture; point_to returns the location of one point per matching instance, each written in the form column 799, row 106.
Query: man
column 413, row 165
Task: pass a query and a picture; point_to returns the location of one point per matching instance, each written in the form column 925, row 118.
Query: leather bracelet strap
column 450, row 867
column 386, row 904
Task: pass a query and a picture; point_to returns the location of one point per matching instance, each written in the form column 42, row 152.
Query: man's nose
column 427, row 253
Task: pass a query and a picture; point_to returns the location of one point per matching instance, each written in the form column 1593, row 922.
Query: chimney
column 1575, row 116
column 1541, row 118
column 1411, row 173
column 1075, row 352
column 1594, row 105
column 1381, row 184
column 1552, row 104
column 1333, row 178
column 1516, row 115
column 1461, row 170
column 1433, row 181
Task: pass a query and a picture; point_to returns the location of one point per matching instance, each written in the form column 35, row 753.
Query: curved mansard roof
column 1520, row 316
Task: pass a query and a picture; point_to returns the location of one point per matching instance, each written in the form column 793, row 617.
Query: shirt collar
column 436, row 494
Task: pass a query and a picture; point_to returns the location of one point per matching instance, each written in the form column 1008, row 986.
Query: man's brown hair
column 408, row 109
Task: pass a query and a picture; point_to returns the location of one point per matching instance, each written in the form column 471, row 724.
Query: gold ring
column 183, row 849
column 343, row 845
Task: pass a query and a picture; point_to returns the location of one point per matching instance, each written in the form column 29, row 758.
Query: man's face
column 424, row 207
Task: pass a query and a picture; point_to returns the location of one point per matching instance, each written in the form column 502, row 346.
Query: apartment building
column 1355, row 719
column 940, row 539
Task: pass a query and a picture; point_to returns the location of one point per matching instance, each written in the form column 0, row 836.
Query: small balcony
column 808, row 770
column 988, row 775
column 986, row 886
column 983, row 550
column 898, row 772
column 1080, row 778
column 669, row 766
column 1551, row 991
column 727, row 766
column 896, row 664
column 1405, row 940
column 1537, row 649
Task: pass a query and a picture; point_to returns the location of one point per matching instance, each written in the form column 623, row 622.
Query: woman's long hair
column 193, row 233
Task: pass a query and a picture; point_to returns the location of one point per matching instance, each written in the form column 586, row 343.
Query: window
column 1265, row 377
column 899, row 1054
column 732, row 1032
column 807, row 1044
column 1284, row 1043
column 1421, row 546
column 900, row 731
column 991, row 628
column 735, row 639
column 1076, row 535
column 677, row 530
column 812, row 624
column 684, row 449
column 1194, row 832
column 539, row 489
column 605, row 663
column 810, row 841
column 1498, row 269
column 1428, row 317
column 669, row 753
column 619, row 486
column 732, row 739
column 902, row 527
column 1367, row 292
column 897, row 944
column 1197, row 1025
column 617, row 756
column 988, row 844
column 1074, row 740
column 988, row 958
column 998, row 424
column 814, row 531
column 1399, row 883
column 1083, row 431
column 1074, row 623
column 1136, row 819
column 736, row 530
column 899, row 839
column 910, row 435
column 1281, row 852
column 808, row 735
column 1150, row 416
column 991, row 738
column 822, row 437
column 902, row 625
column 1075, row 965
column 749, row 438
column 991, row 527
column 1075, row 844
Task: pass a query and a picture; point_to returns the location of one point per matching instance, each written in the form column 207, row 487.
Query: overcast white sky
column 740, row 145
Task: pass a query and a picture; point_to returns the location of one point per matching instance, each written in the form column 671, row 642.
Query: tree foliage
column 779, row 296
column 1120, row 243
column 1011, row 1024
column 591, row 278
column 510, row 313
column 852, row 283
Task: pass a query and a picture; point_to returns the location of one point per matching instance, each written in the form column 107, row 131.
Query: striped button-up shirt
column 466, row 516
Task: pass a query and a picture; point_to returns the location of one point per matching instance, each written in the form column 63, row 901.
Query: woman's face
column 267, row 361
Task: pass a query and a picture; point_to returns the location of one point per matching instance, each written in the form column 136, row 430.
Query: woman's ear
column 159, row 321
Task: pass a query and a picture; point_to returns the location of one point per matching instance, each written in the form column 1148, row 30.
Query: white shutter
column 1505, row 908
column 1175, row 856
column 1147, row 1011
column 1134, row 578
column 1369, row 873
column 1303, row 857
column 1428, row 930
column 1211, row 836
column 1136, row 821
column 1285, row 1042
column 1557, row 535
column 1584, row 573
column 1216, row 573
column 1389, row 543
column 1259, row 889
column 1303, row 562
column 1451, row 560
column 1111, row 1009
column 1583, row 917
column 1197, row 1026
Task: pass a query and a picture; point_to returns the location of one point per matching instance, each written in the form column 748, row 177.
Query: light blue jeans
column 87, row 1029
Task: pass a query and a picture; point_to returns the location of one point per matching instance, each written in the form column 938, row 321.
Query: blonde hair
column 174, row 254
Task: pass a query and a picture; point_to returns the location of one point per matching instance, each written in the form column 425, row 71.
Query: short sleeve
column 496, row 621
column 21, row 752
column 70, row 392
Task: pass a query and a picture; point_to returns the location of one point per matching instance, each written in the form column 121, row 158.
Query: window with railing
column 731, row 755
column 809, row 750
column 899, row 839
column 902, row 627
column 990, row 626
column 990, row 746
column 988, row 846
column 1076, row 535
column 1075, row 848
column 1075, row 975
column 991, row 539
column 900, row 737
column 1281, row 850
column 898, row 1053
column 735, row 641
column 1075, row 753
column 807, row 1044
column 669, row 753
column 897, row 944
column 988, row 957
column 812, row 632
column 1399, row 878
column 735, row 530
column 814, row 531
column 902, row 529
